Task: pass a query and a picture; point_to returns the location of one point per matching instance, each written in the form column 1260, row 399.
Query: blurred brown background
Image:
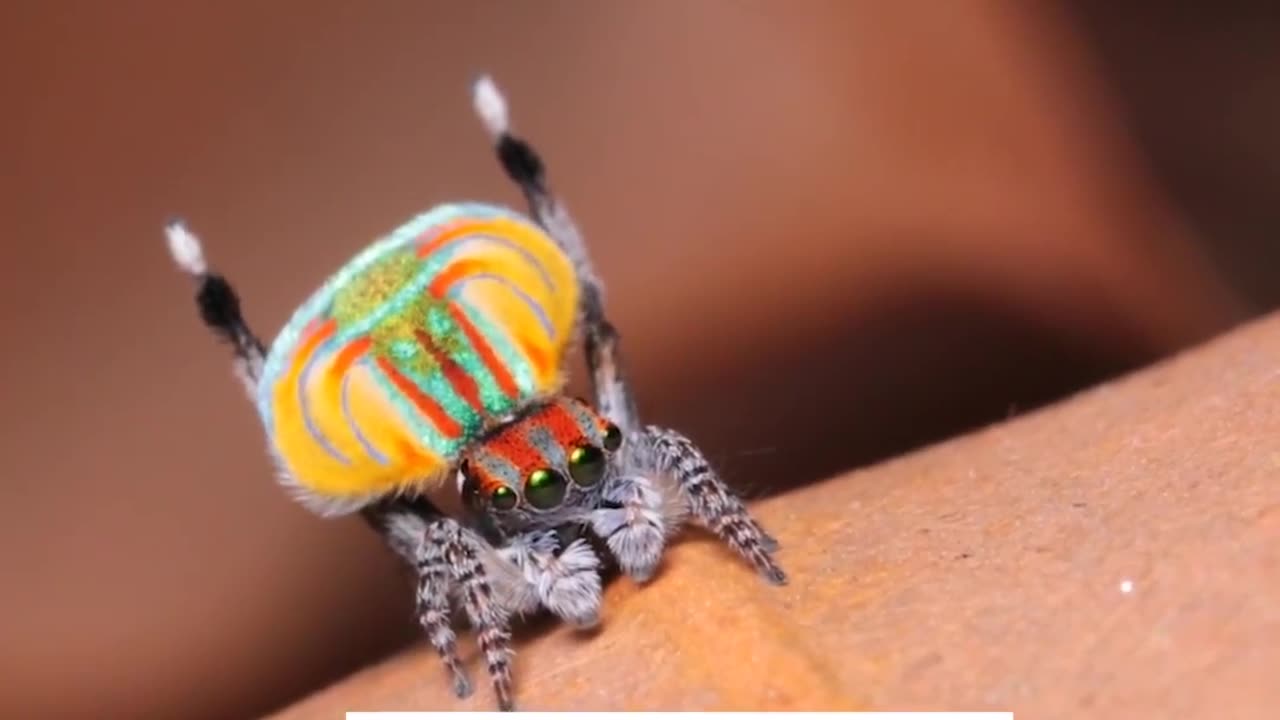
column 832, row 232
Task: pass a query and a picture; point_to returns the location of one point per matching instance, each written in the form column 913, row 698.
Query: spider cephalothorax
column 439, row 351
column 542, row 469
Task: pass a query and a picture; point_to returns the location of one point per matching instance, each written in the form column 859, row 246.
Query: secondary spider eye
column 470, row 492
column 545, row 488
column 586, row 465
column 612, row 438
column 504, row 498
column 470, row 487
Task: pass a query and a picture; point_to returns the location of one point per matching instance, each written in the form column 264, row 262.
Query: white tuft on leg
column 490, row 106
column 185, row 248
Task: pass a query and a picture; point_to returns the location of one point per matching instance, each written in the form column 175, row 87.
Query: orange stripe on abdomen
column 459, row 379
column 538, row 357
column 429, row 407
column 454, row 272
column 315, row 334
column 452, row 232
column 345, row 357
column 491, row 361
column 439, row 288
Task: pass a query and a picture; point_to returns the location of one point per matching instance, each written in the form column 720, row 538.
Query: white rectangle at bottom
column 496, row 715
column 707, row 715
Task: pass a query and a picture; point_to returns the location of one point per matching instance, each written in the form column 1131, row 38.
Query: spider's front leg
column 669, row 479
column 450, row 561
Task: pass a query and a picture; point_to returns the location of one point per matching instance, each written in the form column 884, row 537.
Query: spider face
column 543, row 469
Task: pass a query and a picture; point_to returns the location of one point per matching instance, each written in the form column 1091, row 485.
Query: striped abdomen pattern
column 421, row 343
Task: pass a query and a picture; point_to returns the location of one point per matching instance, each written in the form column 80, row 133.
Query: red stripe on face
column 512, row 445
column 430, row 408
column 563, row 425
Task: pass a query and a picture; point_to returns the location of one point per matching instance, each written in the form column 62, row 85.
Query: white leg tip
column 490, row 106
column 185, row 248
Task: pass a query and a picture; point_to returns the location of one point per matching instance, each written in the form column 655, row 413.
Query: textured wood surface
column 988, row 572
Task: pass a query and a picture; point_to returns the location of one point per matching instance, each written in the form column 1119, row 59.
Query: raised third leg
column 525, row 168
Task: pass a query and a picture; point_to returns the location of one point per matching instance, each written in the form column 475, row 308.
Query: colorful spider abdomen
column 422, row 342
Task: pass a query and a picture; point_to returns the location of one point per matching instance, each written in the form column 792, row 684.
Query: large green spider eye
column 504, row 498
column 612, row 438
column 545, row 488
column 586, row 465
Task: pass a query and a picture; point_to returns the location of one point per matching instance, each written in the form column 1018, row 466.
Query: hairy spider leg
column 637, row 517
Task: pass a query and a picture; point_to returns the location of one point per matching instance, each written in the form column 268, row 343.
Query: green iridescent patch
column 396, row 335
column 362, row 294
